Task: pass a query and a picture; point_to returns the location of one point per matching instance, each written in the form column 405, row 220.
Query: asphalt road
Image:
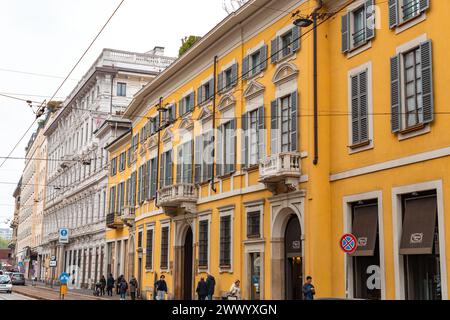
column 13, row 296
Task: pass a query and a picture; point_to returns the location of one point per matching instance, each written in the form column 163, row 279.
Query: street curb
column 31, row 295
column 27, row 294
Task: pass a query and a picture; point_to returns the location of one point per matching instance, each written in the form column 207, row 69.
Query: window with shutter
column 401, row 11
column 225, row 241
column 153, row 178
column 164, row 248
column 359, row 107
column 412, row 88
column 229, row 146
column 253, row 224
column 198, row 159
column 207, row 156
column 149, row 250
column 358, row 26
column 203, row 243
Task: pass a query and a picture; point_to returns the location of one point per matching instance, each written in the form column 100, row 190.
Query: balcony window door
column 284, row 124
column 184, row 162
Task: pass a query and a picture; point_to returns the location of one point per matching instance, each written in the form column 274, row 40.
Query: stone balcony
column 281, row 172
column 178, row 198
column 128, row 215
column 113, row 221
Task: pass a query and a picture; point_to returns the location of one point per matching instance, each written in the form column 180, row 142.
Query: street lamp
column 303, row 22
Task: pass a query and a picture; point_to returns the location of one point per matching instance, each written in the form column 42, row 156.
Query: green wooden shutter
column 153, row 178
column 200, row 94
column 370, row 19
column 192, row 101
column 244, row 141
column 245, row 67
column 179, row 162
column 219, row 160
column 148, row 182
column 234, row 74
column 162, row 171
column 261, row 133
column 345, row 31
column 263, row 58
column 220, row 82
column 198, row 159
column 355, row 109
column 295, row 38
column 189, row 158
column 274, row 50
column 274, row 127
column 393, row 13
column 232, row 136
column 169, row 167
column 395, row 94
column 294, row 121
column 424, row 5
column 427, row 81
column 363, row 106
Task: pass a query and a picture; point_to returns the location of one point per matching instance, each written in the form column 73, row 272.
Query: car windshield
column 4, row 279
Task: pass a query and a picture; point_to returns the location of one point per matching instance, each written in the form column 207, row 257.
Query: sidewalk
column 42, row 292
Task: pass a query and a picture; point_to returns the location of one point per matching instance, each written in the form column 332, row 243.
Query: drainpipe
column 316, row 125
column 214, row 123
column 158, row 150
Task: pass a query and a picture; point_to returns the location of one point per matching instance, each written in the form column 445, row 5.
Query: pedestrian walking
column 102, row 285
column 161, row 288
column 210, row 285
column 133, row 287
column 119, row 281
column 235, row 291
column 202, row 289
column 123, row 287
column 308, row 289
column 110, row 285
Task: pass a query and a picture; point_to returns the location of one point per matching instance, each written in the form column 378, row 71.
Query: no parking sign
column 348, row 243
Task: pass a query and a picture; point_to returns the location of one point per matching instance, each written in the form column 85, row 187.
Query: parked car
column 5, row 284
column 18, row 279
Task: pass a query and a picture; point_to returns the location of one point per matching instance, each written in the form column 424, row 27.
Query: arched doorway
column 187, row 265
column 293, row 259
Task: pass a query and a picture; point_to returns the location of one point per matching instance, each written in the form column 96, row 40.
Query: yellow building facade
column 310, row 135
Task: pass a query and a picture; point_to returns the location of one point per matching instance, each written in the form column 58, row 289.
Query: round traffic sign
column 63, row 232
column 348, row 243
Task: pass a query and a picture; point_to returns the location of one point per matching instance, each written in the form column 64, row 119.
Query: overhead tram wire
column 65, row 79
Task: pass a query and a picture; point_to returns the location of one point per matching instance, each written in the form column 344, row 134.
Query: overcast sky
column 48, row 36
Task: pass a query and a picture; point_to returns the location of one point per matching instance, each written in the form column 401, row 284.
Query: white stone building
column 78, row 165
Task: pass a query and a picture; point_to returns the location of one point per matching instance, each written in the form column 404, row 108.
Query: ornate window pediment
column 226, row 102
column 285, row 72
column 186, row 123
column 167, row 136
column 152, row 142
column 254, row 88
column 205, row 114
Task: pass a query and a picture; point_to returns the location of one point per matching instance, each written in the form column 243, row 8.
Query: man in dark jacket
column 110, row 285
column 202, row 289
column 161, row 288
column 210, row 285
column 119, row 281
column 308, row 289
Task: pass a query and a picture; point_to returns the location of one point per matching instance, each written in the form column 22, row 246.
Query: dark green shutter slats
column 162, row 165
column 424, row 5
column 261, row 131
column 219, row 151
column 245, row 67
column 263, row 62
column 427, row 81
column 153, row 179
column 295, row 38
column 395, row 94
column 234, row 74
column 169, row 167
column 274, row 50
column 232, row 135
column 198, row 159
column 244, row 141
column 294, row 120
column 200, row 94
column 345, row 31
column 355, row 109
column 179, row 162
column 192, row 101
column 274, row 127
column 370, row 19
column 393, row 13
column 220, row 82
column 363, row 106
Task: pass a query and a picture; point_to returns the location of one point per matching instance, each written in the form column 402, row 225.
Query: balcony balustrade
column 178, row 198
column 281, row 172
